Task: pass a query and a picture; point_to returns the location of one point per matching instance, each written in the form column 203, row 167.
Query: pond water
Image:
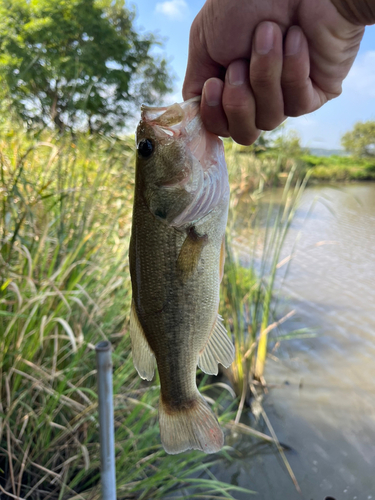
column 322, row 390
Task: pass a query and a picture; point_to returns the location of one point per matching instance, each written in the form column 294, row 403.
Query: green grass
column 248, row 292
column 340, row 168
column 253, row 170
column 65, row 215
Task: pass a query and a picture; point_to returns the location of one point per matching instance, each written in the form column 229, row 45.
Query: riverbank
column 254, row 170
column 339, row 168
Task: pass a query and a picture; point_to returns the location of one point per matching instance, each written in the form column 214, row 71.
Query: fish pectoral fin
column 218, row 349
column 143, row 357
column 191, row 250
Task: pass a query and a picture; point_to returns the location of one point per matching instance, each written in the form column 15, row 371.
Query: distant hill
column 327, row 152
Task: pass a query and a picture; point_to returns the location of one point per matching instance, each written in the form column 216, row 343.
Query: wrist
column 361, row 12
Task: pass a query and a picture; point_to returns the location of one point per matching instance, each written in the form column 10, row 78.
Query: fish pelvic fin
column 218, row 349
column 193, row 427
column 143, row 357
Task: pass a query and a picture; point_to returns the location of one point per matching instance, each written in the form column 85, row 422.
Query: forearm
column 360, row 12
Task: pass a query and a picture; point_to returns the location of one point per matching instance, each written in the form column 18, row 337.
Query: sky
column 171, row 21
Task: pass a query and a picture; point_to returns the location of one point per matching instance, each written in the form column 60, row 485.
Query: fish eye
column 145, row 148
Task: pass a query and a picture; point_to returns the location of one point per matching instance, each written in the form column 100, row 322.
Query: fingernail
column 293, row 41
column 212, row 92
column 264, row 38
column 237, row 73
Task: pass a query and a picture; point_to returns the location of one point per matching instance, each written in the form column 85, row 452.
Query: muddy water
column 322, row 397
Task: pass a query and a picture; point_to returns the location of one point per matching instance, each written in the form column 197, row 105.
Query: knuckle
column 236, row 109
column 218, row 129
column 240, row 116
column 185, row 90
column 294, row 112
column 296, row 98
column 269, row 123
column 196, row 29
column 333, row 92
column 215, row 124
column 245, row 138
column 297, row 108
column 262, row 79
column 197, row 36
column 292, row 81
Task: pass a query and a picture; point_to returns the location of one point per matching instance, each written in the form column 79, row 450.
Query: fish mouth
column 171, row 121
column 154, row 112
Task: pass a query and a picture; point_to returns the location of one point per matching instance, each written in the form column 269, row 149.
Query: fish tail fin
column 194, row 427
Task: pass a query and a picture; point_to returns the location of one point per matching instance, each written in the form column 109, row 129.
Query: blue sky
column 171, row 20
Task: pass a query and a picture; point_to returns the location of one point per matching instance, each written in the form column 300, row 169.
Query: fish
column 176, row 257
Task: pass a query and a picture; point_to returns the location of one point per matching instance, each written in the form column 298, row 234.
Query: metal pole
column 106, row 422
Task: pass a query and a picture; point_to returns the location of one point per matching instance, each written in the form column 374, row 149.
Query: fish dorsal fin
column 143, row 357
column 218, row 349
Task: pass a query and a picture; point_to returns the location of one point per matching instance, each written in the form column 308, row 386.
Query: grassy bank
column 340, row 168
column 274, row 161
column 65, row 210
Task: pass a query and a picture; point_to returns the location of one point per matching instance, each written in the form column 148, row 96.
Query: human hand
column 255, row 62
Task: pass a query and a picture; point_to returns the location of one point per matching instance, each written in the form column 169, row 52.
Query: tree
column 288, row 143
column 361, row 140
column 77, row 63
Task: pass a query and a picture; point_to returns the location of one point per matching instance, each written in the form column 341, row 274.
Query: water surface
column 322, row 397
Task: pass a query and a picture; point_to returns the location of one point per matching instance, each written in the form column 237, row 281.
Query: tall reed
column 65, row 208
column 248, row 287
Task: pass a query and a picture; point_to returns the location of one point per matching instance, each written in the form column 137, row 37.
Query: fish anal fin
column 143, row 357
column 193, row 428
column 218, row 349
column 191, row 250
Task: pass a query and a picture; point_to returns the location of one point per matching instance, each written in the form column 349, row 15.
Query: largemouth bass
column 176, row 262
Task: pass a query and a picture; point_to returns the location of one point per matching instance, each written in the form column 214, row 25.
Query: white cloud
column 361, row 78
column 174, row 9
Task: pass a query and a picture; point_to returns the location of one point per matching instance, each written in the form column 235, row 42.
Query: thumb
column 200, row 66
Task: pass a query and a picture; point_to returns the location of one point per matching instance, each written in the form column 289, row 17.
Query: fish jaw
column 202, row 176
